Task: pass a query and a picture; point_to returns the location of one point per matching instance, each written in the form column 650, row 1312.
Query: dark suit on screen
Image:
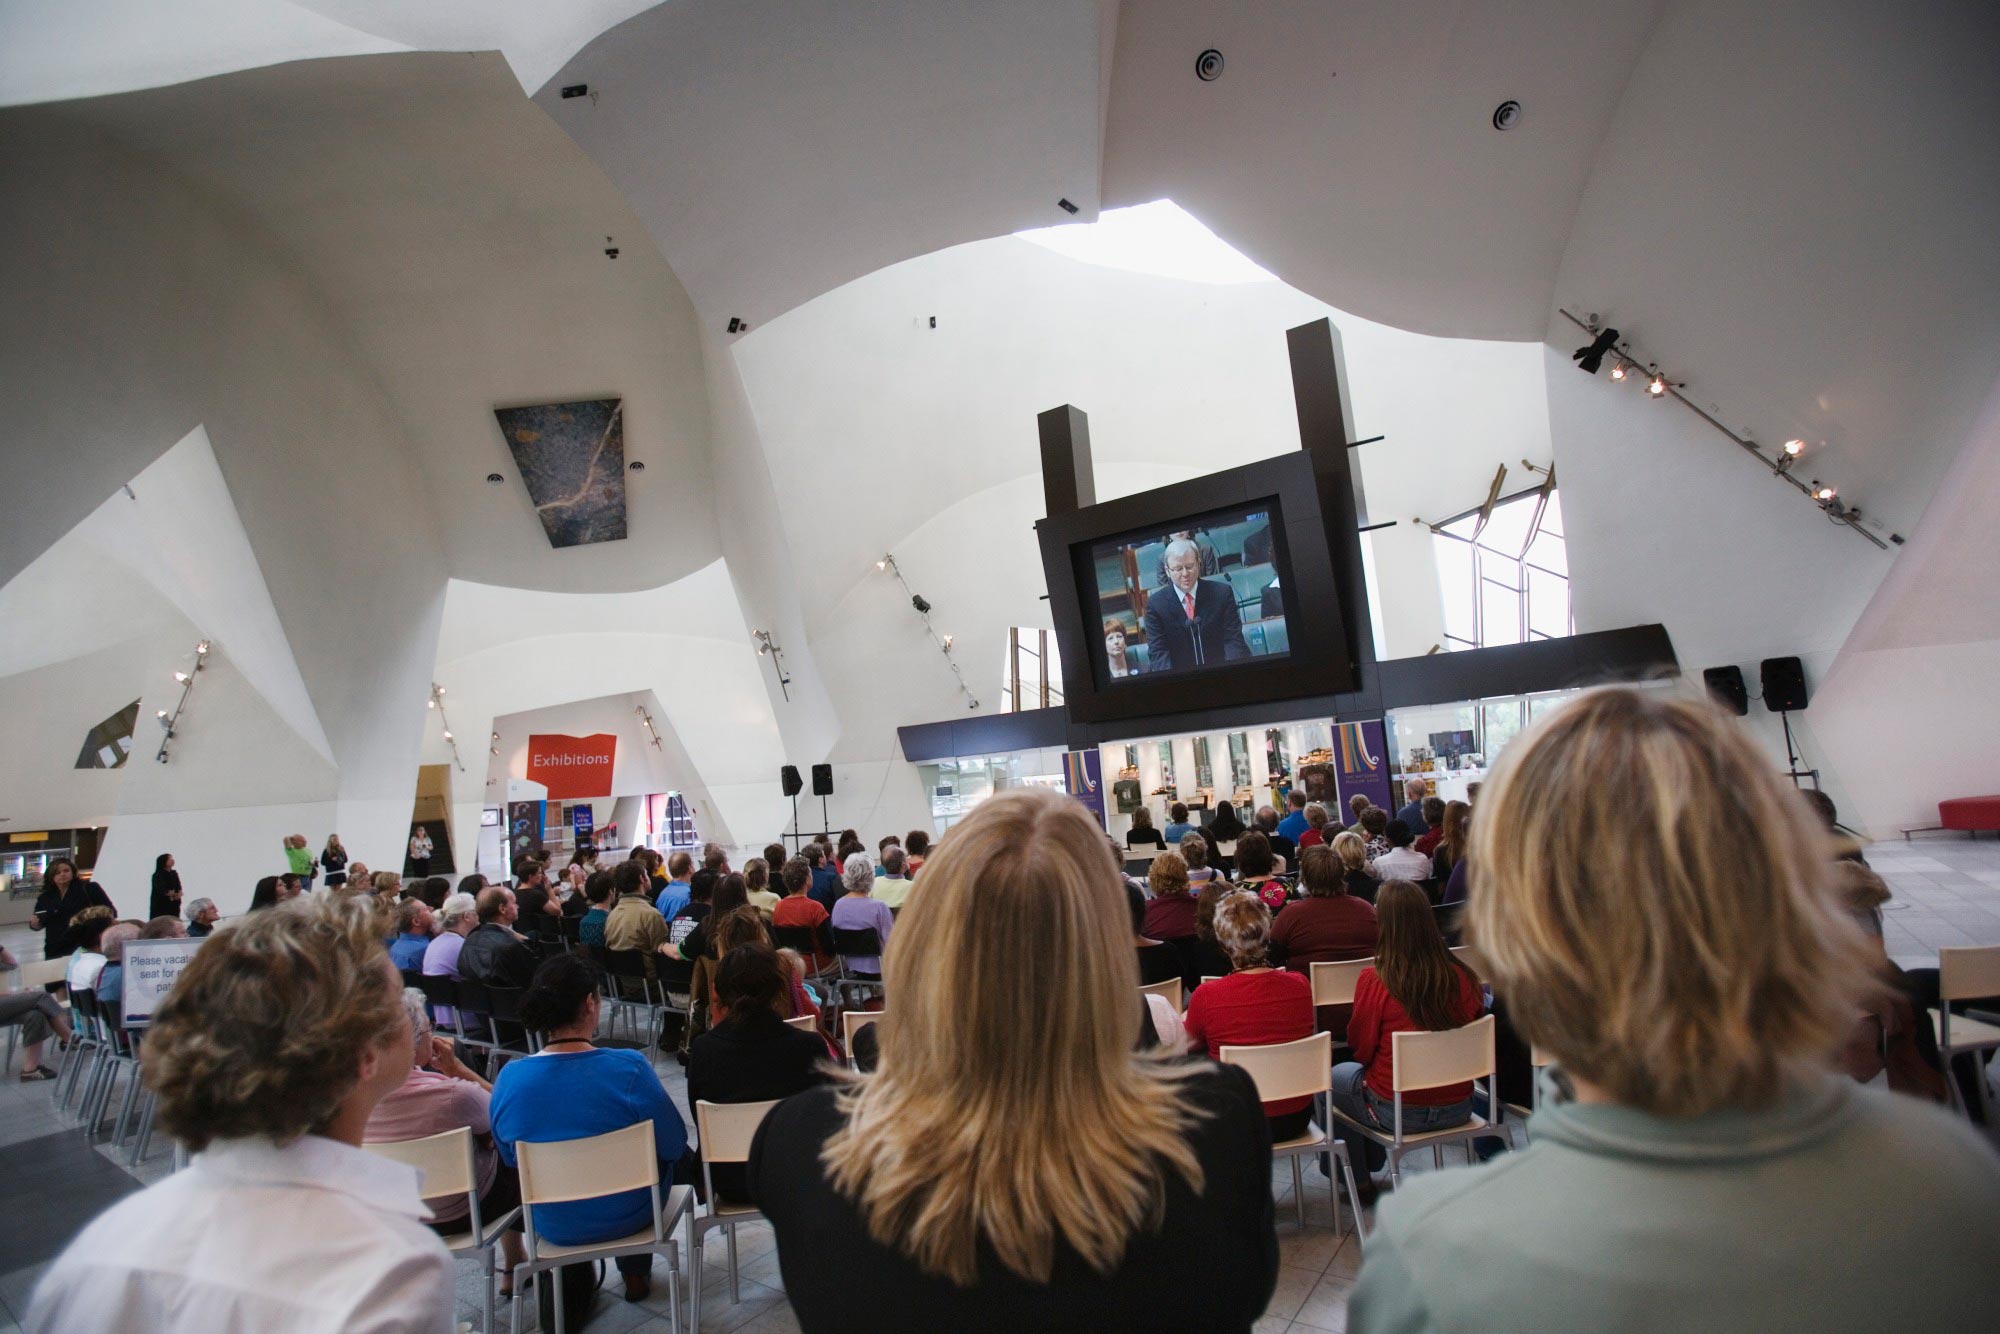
column 1214, row 636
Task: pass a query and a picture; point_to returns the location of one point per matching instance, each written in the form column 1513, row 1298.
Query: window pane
column 1549, row 552
column 1500, row 614
column 1552, row 517
column 1502, row 719
column 1507, row 531
column 1455, row 584
column 1548, row 604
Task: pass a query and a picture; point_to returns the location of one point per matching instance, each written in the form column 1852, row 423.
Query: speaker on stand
column 1726, row 688
column 823, row 788
column 789, row 780
column 1784, row 681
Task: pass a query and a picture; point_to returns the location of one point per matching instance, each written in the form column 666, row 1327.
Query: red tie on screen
column 1187, row 600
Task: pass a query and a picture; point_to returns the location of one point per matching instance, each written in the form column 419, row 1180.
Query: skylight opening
column 1160, row 238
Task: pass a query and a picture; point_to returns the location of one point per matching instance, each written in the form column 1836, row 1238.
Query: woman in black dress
column 166, row 888
column 64, row 895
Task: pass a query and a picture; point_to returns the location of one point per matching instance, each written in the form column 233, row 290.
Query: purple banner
column 1361, row 764
column 1083, row 776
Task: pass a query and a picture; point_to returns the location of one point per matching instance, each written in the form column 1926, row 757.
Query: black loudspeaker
column 822, row 780
column 1725, row 687
column 1784, row 684
column 789, row 778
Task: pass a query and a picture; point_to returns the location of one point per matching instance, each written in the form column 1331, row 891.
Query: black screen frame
column 1299, row 489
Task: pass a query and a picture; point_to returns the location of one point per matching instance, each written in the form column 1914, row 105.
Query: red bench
column 1970, row 813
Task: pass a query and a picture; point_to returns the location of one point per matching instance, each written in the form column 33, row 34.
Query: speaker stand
column 795, row 822
column 1792, row 755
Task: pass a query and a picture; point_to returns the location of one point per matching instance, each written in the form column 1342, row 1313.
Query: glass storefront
column 956, row 786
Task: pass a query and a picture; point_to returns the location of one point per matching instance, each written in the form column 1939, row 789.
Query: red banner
column 572, row 766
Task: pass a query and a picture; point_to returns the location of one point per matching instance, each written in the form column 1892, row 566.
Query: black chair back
column 805, row 939
column 412, row 977
column 856, row 943
column 440, row 991
column 505, row 1005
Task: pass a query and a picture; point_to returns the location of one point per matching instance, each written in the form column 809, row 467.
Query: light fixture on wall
column 170, row 718
column 923, row 609
column 646, row 719
column 767, row 647
column 1606, row 343
column 437, row 702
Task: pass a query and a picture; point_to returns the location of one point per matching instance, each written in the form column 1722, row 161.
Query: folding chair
column 589, row 1169
column 627, row 968
column 805, row 1023
column 441, row 993
column 1295, row 1070
column 1470, row 956
column 852, row 1022
column 726, row 1129
column 1432, row 1060
column 1140, row 863
column 446, row 1163
column 1170, row 990
column 808, row 944
column 84, row 1050
column 1539, row 1060
column 1333, row 982
column 1966, row 972
column 476, row 1007
column 852, row 944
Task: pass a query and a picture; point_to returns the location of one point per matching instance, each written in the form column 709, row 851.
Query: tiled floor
column 1947, row 892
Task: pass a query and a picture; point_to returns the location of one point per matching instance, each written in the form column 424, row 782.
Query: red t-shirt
column 1252, row 1010
column 1312, row 838
column 1427, row 843
column 1173, row 917
column 798, row 910
column 1315, row 930
column 1377, row 1016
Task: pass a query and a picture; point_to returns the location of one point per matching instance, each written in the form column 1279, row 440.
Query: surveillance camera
column 611, row 252
column 923, row 607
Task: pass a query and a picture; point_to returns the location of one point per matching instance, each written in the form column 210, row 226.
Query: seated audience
column 111, row 978
column 1205, row 955
column 1375, row 831
column 1328, row 925
column 164, row 928
column 268, row 1057
column 1296, row 821
column 1142, row 833
column 86, row 960
column 455, row 922
column 433, row 891
column 731, row 892
column 1170, row 912
column 893, row 887
column 415, row 925
column 1401, row 862
column 633, row 923
column 1427, row 843
column 1282, row 847
column 1255, row 871
column 290, row 886
column 1412, row 810
column 858, row 911
column 1178, row 827
column 751, row 1054
column 439, row 1094
column 796, row 909
column 492, row 953
column 1159, row 961
column 360, row 880
column 1356, row 804
column 469, row 885
column 1255, row 1005
column 267, row 894
column 917, row 844
column 701, row 896
column 39, row 1014
column 825, row 888
column 1690, row 978
column 1416, row 985
column 1226, row 825
column 946, row 1190
column 1451, row 844
column 675, row 894
column 1314, row 834
column 1194, row 851
column 202, row 915
column 538, row 906
column 758, row 874
column 1355, row 872
column 602, row 894
column 882, row 846
column 388, row 887
column 573, row 1089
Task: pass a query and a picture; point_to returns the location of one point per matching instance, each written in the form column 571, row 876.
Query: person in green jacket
column 1656, row 906
column 300, row 859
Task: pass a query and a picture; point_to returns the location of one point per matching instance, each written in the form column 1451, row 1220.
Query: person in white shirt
column 86, row 962
column 278, row 1039
column 1401, row 861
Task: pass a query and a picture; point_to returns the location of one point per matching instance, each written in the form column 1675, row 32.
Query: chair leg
column 125, row 1109
column 694, row 1282
column 143, row 1140
column 487, row 1289
column 1299, row 1191
column 1437, row 1155
column 1353, row 1194
column 735, row 1292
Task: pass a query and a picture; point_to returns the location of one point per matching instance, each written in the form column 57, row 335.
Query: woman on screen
column 1114, row 649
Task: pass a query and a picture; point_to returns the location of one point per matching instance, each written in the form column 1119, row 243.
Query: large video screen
column 1192, row 594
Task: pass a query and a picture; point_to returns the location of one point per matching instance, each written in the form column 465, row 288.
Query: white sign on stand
column 150, row 969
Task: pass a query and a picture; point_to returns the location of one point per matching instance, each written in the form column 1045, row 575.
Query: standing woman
column 1013, row 1161
column 420, row 851
column 64, row 895
column 333, row 860
column 166, row 888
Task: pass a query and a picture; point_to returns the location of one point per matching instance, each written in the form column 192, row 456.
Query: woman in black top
column 1225, row 825
column 166, row 888
column 64, row 895
column 946, row 1190
column 752, row 1056
column 1142, row 830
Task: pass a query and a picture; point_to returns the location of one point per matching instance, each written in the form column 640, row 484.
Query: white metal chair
column 588, row 1169
column 805, row 1023
column 1333, row 982
column 1540, row 1061
column 1297, row 1070
column 1470, row 956
column 446, row 1163
column 1140, row 861
column 726, row 1129
column 1226, row 849
column 1966, row 972
column 1430, row 1060
column 852, row 1022
column 1169, row 991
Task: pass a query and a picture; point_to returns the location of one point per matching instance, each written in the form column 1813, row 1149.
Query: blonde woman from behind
column 1014, row 1162
column 1656, row 907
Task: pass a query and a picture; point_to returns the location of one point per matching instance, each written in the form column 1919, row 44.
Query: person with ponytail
column 573, row 1089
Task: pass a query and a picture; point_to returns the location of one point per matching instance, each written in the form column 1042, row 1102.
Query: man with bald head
column 1192, row 622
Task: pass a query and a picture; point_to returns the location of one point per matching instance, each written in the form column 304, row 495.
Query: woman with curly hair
column 281, row 1035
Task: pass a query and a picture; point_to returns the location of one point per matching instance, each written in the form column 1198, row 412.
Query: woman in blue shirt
column 572, row 1089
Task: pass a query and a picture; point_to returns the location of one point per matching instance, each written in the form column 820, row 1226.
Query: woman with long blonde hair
column 1014, row 1162
column 1656, row 907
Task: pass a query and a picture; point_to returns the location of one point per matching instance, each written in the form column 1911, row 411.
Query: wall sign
column 1361, row 763
column 572, row 766
column 150, row 969
column 1083, row 776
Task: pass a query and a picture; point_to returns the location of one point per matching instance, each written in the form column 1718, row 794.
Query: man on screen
column 1192, row 622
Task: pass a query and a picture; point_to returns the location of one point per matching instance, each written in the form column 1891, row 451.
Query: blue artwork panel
column 571, row 456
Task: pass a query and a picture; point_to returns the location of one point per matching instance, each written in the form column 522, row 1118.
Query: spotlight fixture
column 882, row 564
column 1618, row 371
column 1657, row 386
column 436, row 701
column 1794, row 448
column 1590, row 359
column 447, row 736
column 181, row 677
column 947, row 643
column 767, row 647
column 201, row 649
column 923, row 610
column 168, row 720
column 161, row 714
column 1824, row 494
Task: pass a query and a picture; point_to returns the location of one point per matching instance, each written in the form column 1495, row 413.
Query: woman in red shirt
column 1415, row 986
column 1256, row 1005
